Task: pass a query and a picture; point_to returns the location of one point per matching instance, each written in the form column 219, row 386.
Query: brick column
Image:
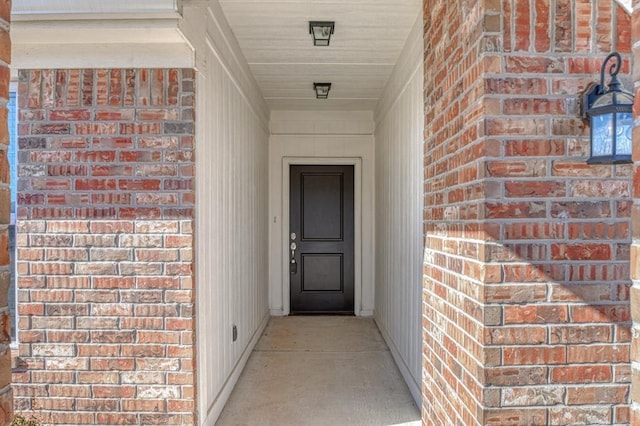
column 526, row 312
column 635, row 247
column 455, row 271
column 5, row 203
column 105, row 232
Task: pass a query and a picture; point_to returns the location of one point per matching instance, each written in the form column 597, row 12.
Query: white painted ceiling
column 274, row 36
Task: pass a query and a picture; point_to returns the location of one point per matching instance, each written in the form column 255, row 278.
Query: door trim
column 357, row 224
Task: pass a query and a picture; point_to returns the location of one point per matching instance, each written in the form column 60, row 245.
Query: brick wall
column 5, row 203
column 452, row 389
column 635, row 248
column 105, row 230
column 526, row 311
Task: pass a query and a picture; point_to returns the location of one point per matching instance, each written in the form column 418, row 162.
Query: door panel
column 321, row 272
column 321, row 217
column 321, row 198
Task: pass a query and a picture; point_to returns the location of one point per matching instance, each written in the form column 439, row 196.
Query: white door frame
column 287, row 162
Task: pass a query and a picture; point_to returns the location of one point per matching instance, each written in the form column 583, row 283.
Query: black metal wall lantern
column 609, row 109
column 322, row 90
column 321, row 32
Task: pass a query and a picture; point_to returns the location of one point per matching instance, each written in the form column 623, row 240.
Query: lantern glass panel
column 321, row 35
column 624, row 126
column 322, row 92
column 602, row 135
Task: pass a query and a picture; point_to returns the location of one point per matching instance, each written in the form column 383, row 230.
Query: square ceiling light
column 322, row 90
column 321, row 32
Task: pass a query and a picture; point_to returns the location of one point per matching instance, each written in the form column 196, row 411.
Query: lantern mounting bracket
column 596, row 90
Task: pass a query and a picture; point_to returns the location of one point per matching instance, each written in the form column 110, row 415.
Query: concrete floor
column 320, row 370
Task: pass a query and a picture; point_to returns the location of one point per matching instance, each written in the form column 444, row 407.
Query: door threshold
column 320, row 313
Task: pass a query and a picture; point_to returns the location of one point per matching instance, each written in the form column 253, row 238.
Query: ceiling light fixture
column 322, row 90
column 610, row 112
column 321, row 32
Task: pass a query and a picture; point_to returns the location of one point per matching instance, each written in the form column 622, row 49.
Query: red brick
column 112, row 283
column 57, row 336
column 115, row 115
column 600, row 353
column 92, row 129
column 140, row 129
column 111, row 171
column 529, row 334
column 139, row 184
column 581, row 374
column 52, row 377
column 159, row 114
column 158, row 337
column 98, row 377
column 581, row 251
column 534, row 355
column 534, row 107
column 577, row 415
column 186, row 406
column 95, row 185
column 98, row 350
column 521, row 210
column 142, row 323
column 596, row 395
column 535, row 189
column 147, row 350
column 117, row 419
column 97, row 404
column 163, row 419
column 81, row 391
column 512, row 376
column 600, row 313
column 69, row 114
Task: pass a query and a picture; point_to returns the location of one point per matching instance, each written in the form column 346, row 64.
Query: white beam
column 113, row 55
column 63, row 37
column 91, row 9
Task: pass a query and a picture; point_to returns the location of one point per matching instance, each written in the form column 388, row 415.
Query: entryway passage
column 320, row 370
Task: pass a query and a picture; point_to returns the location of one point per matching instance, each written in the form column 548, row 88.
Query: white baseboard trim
column 366, row 313
column 216, row 408
column 277, row 312
column 414, row 387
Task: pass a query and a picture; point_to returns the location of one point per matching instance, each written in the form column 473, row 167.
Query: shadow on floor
column 320, row 370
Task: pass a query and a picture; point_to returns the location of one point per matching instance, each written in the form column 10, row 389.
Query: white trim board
column 101, row 42
column 57, row 9
column 66, row 56
column 287, row 162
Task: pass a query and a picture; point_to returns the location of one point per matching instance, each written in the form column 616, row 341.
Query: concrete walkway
column 320, row 370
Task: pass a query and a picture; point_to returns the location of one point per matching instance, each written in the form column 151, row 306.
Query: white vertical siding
column 399, row 204
column 231, row 232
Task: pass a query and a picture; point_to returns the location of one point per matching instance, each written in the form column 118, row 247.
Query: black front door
column 321, row 240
